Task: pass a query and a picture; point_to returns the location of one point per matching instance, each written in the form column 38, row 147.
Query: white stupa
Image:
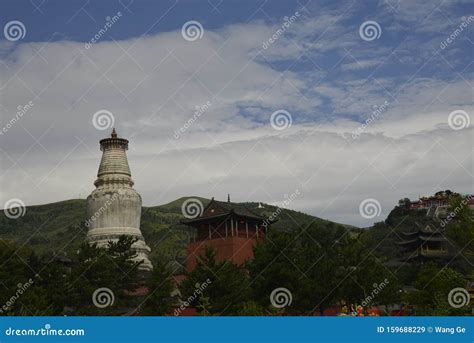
column 114, row 207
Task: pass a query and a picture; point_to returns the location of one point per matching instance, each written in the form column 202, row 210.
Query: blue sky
column 412, row 30
column 78, row 25
column 369, row 117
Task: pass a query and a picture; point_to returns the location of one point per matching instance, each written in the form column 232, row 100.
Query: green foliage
column 383, row 237
column 111, row 267
column 251, row 308
column 320, row 262
column 461, row 226
column 20, row 293
column 320, row 265
column 433, row 285
column 160, row 287
column 363, row 274
column 47, row 228
column 54, row 286
column 60, row 227
column 216, row 288
column 272, row 267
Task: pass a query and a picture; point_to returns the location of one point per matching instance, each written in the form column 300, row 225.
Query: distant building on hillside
column 441, row 198
column 436, row 205
column 230, row 228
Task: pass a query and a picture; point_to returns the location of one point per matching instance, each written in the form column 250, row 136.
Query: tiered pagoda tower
column 114, row 207
column 230, row 228
column 425, row 243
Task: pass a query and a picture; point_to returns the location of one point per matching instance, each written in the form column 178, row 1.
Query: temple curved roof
column 220, row 210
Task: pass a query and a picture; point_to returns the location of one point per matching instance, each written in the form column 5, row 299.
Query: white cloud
column 361, row 64
column 52, row 154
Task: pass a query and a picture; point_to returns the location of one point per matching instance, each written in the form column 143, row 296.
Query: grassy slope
column 59, row 227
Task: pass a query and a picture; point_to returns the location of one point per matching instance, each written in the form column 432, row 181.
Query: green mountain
column 60, row 227
column 455, row 233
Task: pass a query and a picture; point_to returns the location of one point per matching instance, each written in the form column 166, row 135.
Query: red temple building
column 231, row 229
column 440, row 199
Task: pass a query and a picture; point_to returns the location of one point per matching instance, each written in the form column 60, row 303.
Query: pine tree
column 216, row 288
column 159, row 301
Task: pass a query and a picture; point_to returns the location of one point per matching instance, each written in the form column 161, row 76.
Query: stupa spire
column 114, row 207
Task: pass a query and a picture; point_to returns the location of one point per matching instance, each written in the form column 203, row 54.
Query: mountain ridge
column 59, row 227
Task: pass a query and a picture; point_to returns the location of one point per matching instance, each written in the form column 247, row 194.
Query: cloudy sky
column 341, row 101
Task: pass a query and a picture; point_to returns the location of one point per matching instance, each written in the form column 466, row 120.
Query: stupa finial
column 114, row 133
